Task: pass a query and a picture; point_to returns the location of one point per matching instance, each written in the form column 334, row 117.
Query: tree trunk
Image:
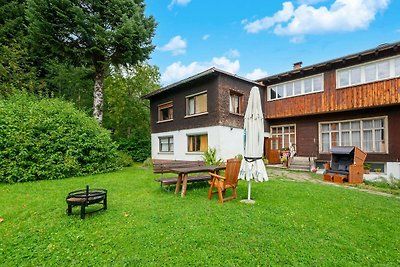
column 98, row 94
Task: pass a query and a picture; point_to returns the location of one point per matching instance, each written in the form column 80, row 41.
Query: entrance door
column 272, row 150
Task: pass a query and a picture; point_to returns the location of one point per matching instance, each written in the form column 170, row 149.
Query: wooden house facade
column 203, row 111
column 349, row 101
column 353, row 100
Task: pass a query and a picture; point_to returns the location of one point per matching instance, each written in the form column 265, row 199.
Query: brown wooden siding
column 226, row 85
column 307, row 132
column 177, row 96
column 218, row 89
column 369, row 95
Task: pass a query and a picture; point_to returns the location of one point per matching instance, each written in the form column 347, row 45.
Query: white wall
column 227, row 140
column 393, row 169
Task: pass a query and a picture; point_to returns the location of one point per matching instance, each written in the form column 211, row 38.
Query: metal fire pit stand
column 84, row 198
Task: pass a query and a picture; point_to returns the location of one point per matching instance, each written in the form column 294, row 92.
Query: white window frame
column 288, row 87
column 187, row 104
column 340, row 131
column 170, row 144
column 393, row 72
column 282, row 134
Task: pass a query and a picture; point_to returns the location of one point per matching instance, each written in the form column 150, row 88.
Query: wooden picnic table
column 183, row 175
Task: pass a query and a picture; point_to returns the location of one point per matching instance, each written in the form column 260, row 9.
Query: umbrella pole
column 248, row 200
column 249, row 190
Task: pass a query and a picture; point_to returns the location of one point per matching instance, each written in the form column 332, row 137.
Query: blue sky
column 258, row 38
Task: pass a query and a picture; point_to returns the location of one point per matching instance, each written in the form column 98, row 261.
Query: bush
column 138, row 146
column 45, row 139
column 210, row 157
column 124, row 159
column 148, row 163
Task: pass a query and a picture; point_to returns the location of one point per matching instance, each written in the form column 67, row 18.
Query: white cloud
column 178, row 2
column 176, row 46
column 177, row 71
column 262, row 24
column 256, row 74
column 205, row 37
column 233, row 53
column 297, row 39
column 341, row 16
column 310, row 2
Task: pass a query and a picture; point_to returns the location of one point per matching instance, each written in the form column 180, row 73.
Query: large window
column 367, row 134
column 397, row 67
column 285, row 136
column 235, row 103
column 166, row 144
column 296, row 87
column 197, row 143
column 196, row 104
column 165, row 112
column 370, row 72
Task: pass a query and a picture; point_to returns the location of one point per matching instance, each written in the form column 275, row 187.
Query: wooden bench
column 163, row 166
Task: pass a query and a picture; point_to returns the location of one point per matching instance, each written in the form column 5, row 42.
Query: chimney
column 297, row 65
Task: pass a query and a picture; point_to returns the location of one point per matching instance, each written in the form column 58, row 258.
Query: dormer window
column 165, row 112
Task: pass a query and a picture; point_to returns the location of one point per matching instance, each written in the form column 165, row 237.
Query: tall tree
column 93, row 33
column 126, row 113
column 16, row 69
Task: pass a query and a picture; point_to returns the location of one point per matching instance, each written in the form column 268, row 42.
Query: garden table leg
column 183, row 193
column 178, row 184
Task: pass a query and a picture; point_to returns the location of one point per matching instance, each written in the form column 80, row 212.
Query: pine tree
column 91, row 33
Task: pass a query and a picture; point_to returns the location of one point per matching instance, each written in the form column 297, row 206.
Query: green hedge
column 138, row 146
column 45, row 139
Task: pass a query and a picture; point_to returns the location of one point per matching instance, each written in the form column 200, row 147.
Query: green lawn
column 292, row 223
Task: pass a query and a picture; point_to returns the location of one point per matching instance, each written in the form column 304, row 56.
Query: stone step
column 300, row 163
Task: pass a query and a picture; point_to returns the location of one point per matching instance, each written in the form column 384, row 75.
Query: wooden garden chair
column 222, row 183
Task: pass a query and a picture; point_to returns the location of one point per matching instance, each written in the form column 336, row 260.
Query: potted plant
column 285, row 152
column 367, row 168
column 284, row 161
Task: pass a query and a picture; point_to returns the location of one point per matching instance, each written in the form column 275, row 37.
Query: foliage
column 124, row 159
column 388, row 183
column 125, row 112
column 12, row 20
column 148, row 163
column 367, row 166
column 137, row 146
column 239, row 156
column 73, row 83
column 210, row 157
column 16, row 69
column 50, row 139
column 293, row 224
column 91, row 33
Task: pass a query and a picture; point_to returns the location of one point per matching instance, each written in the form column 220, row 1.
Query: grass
column 292, row 223
column 391, row 186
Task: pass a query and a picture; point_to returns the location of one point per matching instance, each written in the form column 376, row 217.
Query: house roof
column 330, row 63
column 199, row 76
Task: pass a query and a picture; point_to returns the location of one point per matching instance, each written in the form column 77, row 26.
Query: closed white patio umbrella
column 252, row 166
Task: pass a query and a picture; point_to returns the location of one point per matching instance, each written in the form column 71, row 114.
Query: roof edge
column 376, row 49
column 197, row 76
